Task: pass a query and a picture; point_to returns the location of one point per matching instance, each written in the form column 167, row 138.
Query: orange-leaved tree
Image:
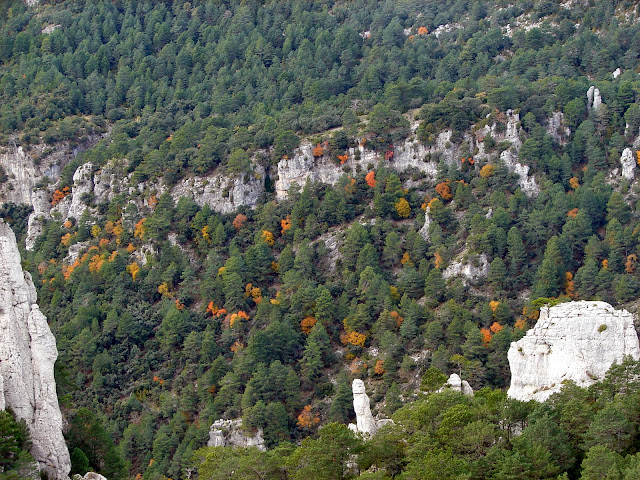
column 307, row 419
column 371, row 179
column 444, row 190
column 239, row 221
column 318, row 151
column 307, row 324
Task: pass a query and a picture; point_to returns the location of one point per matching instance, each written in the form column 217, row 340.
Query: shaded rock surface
column 229, row 433
column 27, row 355
column 575, row 341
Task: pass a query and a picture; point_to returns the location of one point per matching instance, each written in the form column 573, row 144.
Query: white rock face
column 82, row 185
column 594, row 97
column 424, row 231
column 556, row 129
column 365, row 423
column 628, row 164
column 27, row 354
column 407, row 155
column 576, row 341
column 89, row 476
column 473, row 268
column 228, row 433
column 616, row 73
column 224, row 194
column 456, row 383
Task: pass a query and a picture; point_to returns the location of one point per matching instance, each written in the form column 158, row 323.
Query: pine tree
column 342, row 407
column 550, row 276
column 516, row 252
column 586, row 278
column 497, row 274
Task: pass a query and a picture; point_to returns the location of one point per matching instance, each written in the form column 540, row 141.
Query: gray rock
column 594, row 98
column 472, row 268
column 229, row 433
column 628, row 164
column 575, row 341
column 365, row 423
column 457, row 384
column 27, row 355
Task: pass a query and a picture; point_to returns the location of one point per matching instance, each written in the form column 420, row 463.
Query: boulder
column 575, row 341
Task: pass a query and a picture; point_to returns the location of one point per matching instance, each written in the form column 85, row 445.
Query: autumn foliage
column 133, row 269
column 371, row 179
column 486, row 335
column 139, row 230
column 58, row 195
column 285, row 225
column 496, row 327
column 423, row 31
column 572, row 213
column 444, row 190
column 307, row 419
column 570, row 286
column 574, row 183
column 239, row 221
column 215, row 311
column 343, row 158
column 267, row 237
column 307, row 324
column 379, row 367
column 318, row 151
column 486, row 171
column 630, row 264
column 403, row 209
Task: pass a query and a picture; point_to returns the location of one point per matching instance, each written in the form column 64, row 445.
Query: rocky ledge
column 575, row 341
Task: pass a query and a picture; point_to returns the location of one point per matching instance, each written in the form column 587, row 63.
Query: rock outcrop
column 628, row 164
column 229, row 433
column 365, row 423
column 470, row 267
column 223, row 193
column 89, row 476
column 575, row 341
column 594, row 98
column 27, row 355
column 457, row 384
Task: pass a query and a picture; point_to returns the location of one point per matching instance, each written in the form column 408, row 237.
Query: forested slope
column 169, row 315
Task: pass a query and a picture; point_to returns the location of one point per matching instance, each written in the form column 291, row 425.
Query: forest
column 169, row 315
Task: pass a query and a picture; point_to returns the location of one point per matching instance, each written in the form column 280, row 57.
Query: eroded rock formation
column 575, row 341
column 365, row 423
column 27, row 355
column 229, row 433
column 628, row 164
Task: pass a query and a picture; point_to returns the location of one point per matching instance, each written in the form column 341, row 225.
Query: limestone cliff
column 27, row 355
column 575, row 341
column 229, row 433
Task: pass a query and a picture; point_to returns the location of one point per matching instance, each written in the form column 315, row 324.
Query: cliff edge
column 575, row 341
column 27, row 355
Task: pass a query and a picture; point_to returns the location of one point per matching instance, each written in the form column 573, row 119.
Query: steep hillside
column 234, row 209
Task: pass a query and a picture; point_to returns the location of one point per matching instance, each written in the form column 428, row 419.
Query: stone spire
column 27, row 355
